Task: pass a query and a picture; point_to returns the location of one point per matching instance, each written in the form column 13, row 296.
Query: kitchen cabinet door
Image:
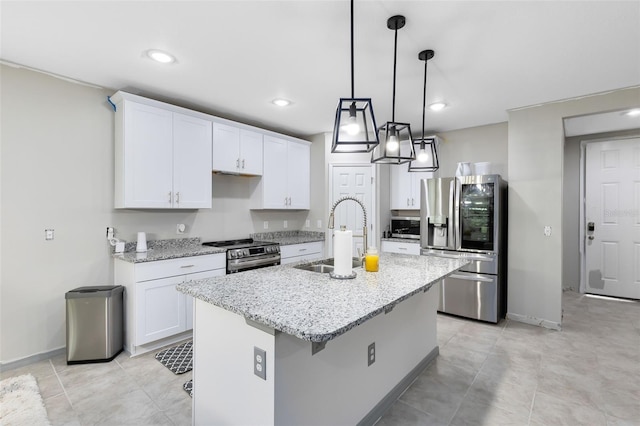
column 160, row 309
column 400, row 185
column 298, row 175
column 275, row 172
column 226, row 148
column 285, row 182
column 251, row 153
column 144, row 159
column 405, row 188
column 236, row 150
column 191, row 162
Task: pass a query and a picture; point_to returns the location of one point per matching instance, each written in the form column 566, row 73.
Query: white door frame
column 583, row 196
column 372, row 217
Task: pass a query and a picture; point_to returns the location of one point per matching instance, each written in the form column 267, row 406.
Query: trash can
column 94, row 323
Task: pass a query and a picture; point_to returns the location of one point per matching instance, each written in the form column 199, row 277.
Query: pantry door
column 612, row 218
column 357, row 181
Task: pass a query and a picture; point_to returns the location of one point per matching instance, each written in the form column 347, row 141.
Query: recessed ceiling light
column 437, row 106
column 633, row 112
column 281, row 102
column 160, row 56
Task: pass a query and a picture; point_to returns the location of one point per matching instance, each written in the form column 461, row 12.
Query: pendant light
column 425, row 148
column 355, row 127
column 395, row 146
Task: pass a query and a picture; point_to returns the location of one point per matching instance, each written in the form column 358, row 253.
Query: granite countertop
column 401, row 240
column 285, row 238
column 314, row 307
column 166, row 249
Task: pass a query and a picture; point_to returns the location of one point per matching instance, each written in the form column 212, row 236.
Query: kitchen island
column 313, row 339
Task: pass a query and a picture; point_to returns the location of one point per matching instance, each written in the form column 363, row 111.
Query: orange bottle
column 371, row 260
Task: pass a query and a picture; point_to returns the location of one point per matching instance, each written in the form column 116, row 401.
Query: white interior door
column 356, row 181
column 612, row 218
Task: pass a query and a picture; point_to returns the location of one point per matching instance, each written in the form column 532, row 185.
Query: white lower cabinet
column 297, row 252
column 154, row 310
column 400, row 247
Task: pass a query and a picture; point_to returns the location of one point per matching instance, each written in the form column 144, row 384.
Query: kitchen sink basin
column 316, row 268
column 325, row 266
column 355, row 262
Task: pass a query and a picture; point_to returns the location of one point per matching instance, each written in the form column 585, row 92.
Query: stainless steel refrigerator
column 465, row 217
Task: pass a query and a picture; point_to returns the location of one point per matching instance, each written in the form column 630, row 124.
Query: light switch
column 48, row 234
column 547, row 231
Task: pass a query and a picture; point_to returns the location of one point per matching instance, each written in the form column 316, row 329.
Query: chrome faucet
column 364, row 228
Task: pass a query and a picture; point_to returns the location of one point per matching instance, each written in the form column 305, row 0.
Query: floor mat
column 178, row 359
column 188, row 387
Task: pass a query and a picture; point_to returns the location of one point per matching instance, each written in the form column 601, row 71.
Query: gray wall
column 535, row 158
column 476, row 144
column 57, row 172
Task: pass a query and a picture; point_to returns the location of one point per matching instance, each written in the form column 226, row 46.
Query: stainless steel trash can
column 94, row 323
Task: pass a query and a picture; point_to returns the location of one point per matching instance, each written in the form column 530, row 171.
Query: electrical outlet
column 371, row 354
column 547, row 231
column 285, row 224
column 48, row 234
column 110, row 232
column 265, row 224
column 180, row 228
column 319, row 223
column 307, row 223
column 260, row 362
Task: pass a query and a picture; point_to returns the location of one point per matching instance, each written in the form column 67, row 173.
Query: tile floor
column 505, row 374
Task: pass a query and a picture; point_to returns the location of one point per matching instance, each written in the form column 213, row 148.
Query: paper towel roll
column 342, row 252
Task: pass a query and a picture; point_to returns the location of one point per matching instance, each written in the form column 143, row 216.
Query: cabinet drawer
column 182, row 266
column 305, row 249
column 402, row 248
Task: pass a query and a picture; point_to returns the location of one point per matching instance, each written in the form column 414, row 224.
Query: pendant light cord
column 352, row 67
column 395, row 55
column 424, row 98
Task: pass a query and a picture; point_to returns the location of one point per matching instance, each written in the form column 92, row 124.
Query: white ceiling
column 234, row 57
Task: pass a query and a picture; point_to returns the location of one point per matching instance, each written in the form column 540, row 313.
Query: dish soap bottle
column 371, row 260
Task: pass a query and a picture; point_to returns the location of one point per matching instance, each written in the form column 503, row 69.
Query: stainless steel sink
column 325, row 266
column 325, row 269
column 355, row 262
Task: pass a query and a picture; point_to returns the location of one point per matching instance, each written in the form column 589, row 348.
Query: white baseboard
column 535, row 321
column 10, row 365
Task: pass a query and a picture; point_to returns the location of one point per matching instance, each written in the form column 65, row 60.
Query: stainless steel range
column 246, row 254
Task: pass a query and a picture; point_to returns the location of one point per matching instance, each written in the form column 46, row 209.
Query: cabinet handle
column 289, row 200
column 178, row 197
column 237, row 163
column 187, row 266
column 412, row 201
column 408, row 202
column 285, row 201
column 170, row 199
column 302, row 249
column 402, row 248
column 243, row 163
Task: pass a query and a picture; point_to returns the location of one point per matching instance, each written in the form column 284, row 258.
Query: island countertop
column 314, row 307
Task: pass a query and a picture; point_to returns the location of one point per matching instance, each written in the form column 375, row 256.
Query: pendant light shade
column 396, row 145
column 354, row 129
column 426, row 147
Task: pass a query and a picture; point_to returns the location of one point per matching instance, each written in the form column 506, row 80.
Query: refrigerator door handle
column 471, row 278
column 451, row 228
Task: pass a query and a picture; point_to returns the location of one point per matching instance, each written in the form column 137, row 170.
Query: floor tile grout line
column 64, row 390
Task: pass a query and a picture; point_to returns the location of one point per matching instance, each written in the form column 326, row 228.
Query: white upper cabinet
column 405, row 187
column 162, row 157
column 236, row 150
column 285, row 182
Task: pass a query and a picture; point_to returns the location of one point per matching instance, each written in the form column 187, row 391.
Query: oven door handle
column 249, row 263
